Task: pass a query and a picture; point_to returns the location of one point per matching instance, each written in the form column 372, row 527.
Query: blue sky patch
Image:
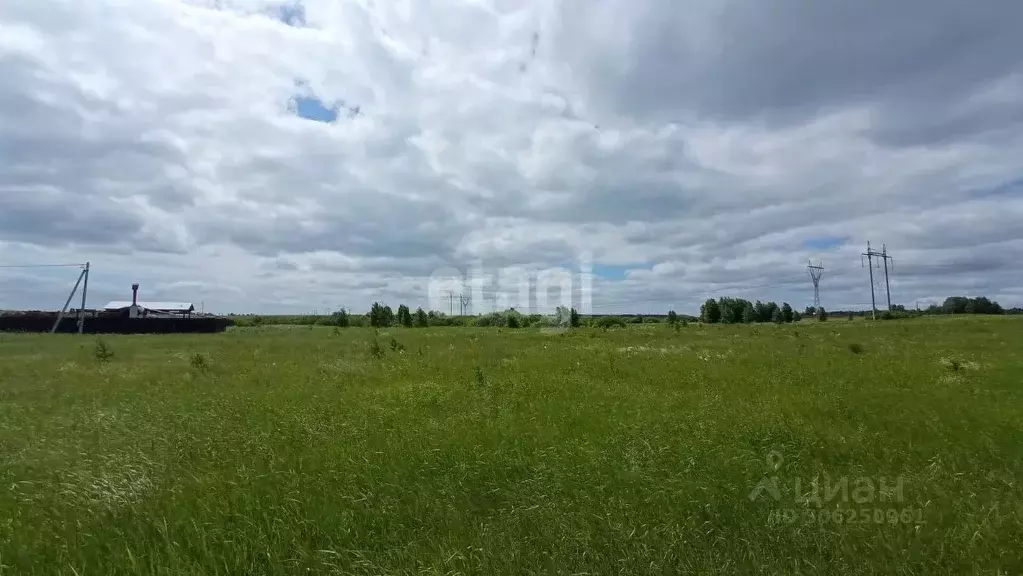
column 609, row 272
column 292, row 14
column 314, row 109
column 824, row 242
column 1004, row 189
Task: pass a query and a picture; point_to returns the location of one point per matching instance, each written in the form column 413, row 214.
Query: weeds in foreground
column 102, row 351
column 375, row 349
column 515, row 454
column 397, row 346
column 200, row 362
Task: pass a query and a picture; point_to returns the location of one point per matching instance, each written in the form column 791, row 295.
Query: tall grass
column 293, row 451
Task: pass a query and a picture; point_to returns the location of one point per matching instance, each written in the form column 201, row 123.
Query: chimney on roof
column 134, row 294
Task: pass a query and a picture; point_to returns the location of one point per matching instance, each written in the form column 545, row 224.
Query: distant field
column 869, row 448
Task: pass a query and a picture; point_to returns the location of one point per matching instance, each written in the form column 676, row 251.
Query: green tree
column 727, row 312
column 380, row 316
column 710, row 312
column 404, row 316
column 762, row 312
column 749, row 314
column 822, row 315
column 421, row 319
column 786, row 312
column 341, row 319
column 573, row 318
column 776, row 315
column 672, row 317
column 375, row 314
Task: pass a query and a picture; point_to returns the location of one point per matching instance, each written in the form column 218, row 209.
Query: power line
column 42, row 265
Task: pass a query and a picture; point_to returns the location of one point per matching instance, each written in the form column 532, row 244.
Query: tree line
column 727, row 310
column 724, row 310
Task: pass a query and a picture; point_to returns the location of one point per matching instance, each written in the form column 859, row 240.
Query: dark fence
column 43, row 322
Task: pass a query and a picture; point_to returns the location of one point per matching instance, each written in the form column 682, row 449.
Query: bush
column 856, row 348
column 822, row 315
column 606, row 322
column 102, row 352
column 375, row 349
column 479, row 377
column 397, row 346
column 200, row 362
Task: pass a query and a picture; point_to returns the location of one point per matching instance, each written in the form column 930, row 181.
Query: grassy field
column 815, row 448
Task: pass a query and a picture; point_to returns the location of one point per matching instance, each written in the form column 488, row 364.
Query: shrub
column 102, row 352
column 479, row 377
column 375, row 349
column 397, row 346
column 200, row 362
column 856, row 348
column 610, row 322
column 822, row 315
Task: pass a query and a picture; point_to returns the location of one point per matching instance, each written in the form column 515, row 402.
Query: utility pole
column 85, row 291
column 464, row 301
column 871, row 254
column 68, row 303
column 815, row 276
column 887, row 288
column 451, row 303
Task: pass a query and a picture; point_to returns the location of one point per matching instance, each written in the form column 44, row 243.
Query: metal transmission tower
column 815, row 275
column 871, row 254
column 464, row 300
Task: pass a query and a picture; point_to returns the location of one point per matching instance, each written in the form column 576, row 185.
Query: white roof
column 159, row 306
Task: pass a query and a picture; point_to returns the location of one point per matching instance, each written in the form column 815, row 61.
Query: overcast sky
column 268, row 156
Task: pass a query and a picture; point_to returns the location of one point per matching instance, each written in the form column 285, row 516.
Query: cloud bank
column 291, row 156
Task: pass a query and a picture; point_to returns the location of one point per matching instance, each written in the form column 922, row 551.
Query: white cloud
column 692, row 149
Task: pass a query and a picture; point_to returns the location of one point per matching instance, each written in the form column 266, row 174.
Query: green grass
column 294, row 450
